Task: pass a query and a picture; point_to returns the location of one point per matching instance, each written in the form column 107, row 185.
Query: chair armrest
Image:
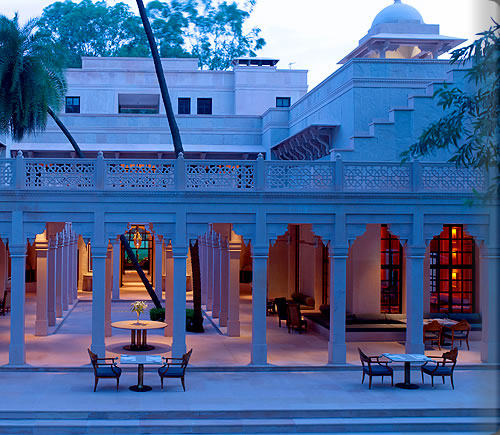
column 169, row 360
column 104, row 359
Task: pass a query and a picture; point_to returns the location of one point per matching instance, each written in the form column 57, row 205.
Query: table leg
column 144, row 338
column 132, row 337
column 140, row 387
column 407, row 385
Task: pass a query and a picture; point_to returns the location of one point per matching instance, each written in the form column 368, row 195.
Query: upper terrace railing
column 236, row 176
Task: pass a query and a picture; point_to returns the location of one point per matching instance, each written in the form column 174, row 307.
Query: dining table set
column 138, row 343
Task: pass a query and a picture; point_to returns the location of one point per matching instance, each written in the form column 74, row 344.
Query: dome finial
column 397, row 1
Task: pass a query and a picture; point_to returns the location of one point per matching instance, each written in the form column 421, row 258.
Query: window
column 204, row 106
column 282, row 101
column 139, row 103
column 184, row 106
column 72, row 105
column 452, row 271
column 391, row 271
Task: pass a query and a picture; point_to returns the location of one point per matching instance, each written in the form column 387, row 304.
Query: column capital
column 17, row 250
column 179, row 251
column 415, row 251
column 338, row 252
column 99, row 251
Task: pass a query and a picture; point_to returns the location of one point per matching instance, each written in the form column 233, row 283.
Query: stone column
column 51, row 280
column 169, row 291
column 259, row 295
column 17, row 352
column 203, row 269
column 17, row 248
column 217, row 277
column 157, row 268
column 99, row 254
column 42, row 307
column 224, row 282
column 179, row 301
column 65, row 269
column 109, row 285
column 74, row 268
column 489, row 267
column 3, row 267
column 59, row 274
column 115, row 243
column 338, row 272
column 233, row 321
column 414, row 299
column 210, row 271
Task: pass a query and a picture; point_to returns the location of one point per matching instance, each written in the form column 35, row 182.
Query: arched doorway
column 141, row 241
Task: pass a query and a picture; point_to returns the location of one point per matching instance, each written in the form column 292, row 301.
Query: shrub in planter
column 158, row 314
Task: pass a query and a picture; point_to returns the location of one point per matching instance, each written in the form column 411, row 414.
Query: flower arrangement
column 138, row 307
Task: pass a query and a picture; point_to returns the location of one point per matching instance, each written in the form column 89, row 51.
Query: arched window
column 391, row 270
column 452, row 271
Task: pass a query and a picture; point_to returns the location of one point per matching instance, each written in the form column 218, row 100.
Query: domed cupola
column 398, row 13
column 399, row 32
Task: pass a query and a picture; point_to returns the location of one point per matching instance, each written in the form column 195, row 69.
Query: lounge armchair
column 105, row 369
column 281, row 309
column 295, row 321
column 5, row 303
column 175, row 368
column 442, row 366
column 372, row 366
column 432, row 332
column 460, row 332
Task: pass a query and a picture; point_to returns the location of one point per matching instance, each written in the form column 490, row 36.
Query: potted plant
column 138, row 307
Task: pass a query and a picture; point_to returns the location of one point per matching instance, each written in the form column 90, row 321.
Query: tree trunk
column 66, row 133
column 195, row 266
column 174, row 129
column 140, row 272
column 176, row 139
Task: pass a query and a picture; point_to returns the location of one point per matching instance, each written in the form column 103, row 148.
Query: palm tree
column 31, row 81
column 32, row 86
column 176, row 139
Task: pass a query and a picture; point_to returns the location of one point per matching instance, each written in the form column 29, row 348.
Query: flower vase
column 138, row 314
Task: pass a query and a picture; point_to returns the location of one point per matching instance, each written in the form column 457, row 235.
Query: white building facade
column 312, row 180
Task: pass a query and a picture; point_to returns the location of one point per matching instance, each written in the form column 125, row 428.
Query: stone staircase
column 389, row 421
column 403, row 125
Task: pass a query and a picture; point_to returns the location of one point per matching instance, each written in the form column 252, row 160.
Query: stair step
column 254, row 425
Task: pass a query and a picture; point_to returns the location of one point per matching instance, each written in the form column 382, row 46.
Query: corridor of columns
column 238, row 332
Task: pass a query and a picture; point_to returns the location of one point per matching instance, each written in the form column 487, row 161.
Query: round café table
column 138, row 333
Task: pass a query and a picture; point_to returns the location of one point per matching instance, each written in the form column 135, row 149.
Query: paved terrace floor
column 67, row 343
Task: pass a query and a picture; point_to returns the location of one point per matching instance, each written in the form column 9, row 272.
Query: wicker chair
column 372, row 366
column 460, row 332
column 105, row 369
column 442, row 366
column 295, row 321
column 432, row 332
column 175, row 368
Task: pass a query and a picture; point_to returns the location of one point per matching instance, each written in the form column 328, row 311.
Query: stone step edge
column 245, row 368
column 353, row 424
column 253, row 414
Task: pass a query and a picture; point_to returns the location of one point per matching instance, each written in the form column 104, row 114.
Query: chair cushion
column 458, row 334
column 379, row 370
column 170, row 372
column 441, row 371
column 108, row 372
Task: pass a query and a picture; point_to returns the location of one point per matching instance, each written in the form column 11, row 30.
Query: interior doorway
column 141, row 242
